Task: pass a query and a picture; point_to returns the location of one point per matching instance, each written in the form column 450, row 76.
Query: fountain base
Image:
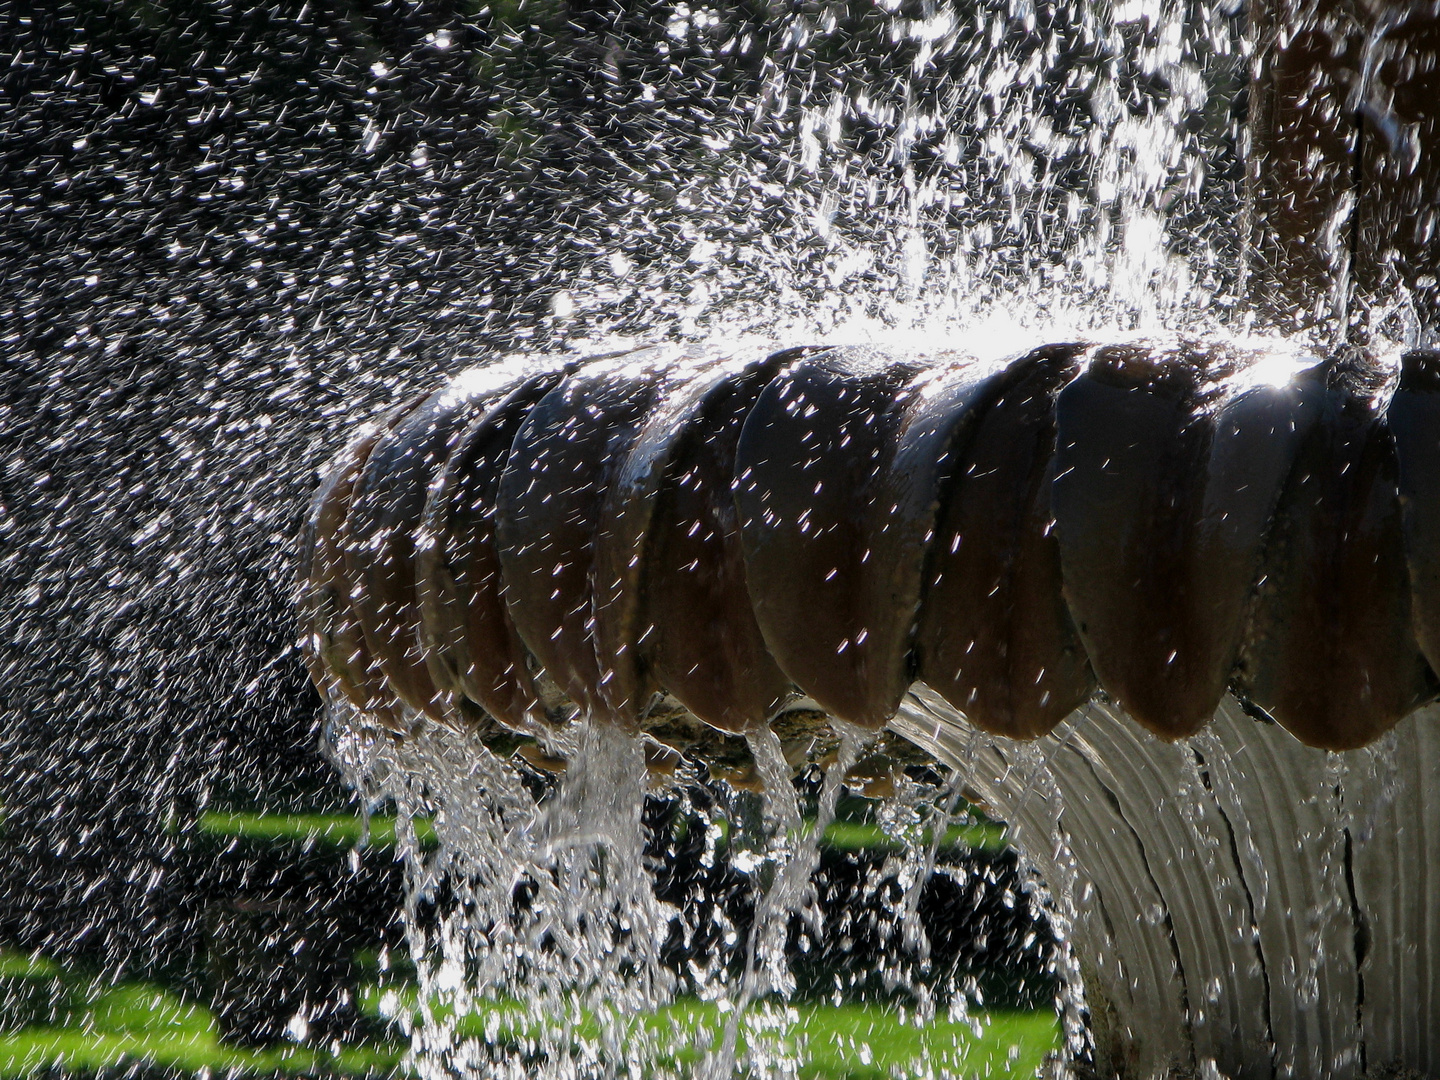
column 1236, row 903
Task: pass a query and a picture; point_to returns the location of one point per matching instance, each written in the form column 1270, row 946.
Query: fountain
column 1178, row 572
column 237, row 231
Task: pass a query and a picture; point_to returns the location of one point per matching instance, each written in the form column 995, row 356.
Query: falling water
column 918, row 169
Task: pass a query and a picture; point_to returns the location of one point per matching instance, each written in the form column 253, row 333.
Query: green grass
column 71, row 1050
column 344, row 830
column 862, row 836
column 844, row 1042
column 108, row 1027
column 79, row 1026
column 335, row 830
column 1010, row 1045
column 17, row 965
column 135, row 1023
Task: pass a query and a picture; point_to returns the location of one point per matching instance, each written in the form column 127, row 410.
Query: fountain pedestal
column 1343, row 163
column 1237, row 903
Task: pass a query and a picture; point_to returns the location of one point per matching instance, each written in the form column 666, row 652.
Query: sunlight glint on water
column 1061, row 171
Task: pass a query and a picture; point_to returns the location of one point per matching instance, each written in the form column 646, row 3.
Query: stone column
column 1343, row 165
